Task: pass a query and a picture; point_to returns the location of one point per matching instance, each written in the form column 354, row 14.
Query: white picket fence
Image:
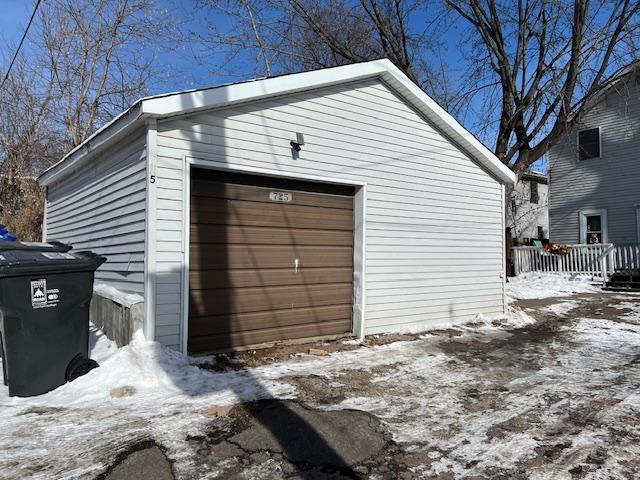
column 627, row 257
column 581, row 259
column 598, row 260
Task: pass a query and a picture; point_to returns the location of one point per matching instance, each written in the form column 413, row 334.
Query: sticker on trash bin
column 41, row 297
column 39, row 293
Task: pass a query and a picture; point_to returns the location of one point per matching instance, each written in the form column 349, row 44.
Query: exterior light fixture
column 298, row 142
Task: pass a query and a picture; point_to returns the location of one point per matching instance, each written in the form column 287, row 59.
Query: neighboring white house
column 528, row 213
column 339, row 201
column 595, row 170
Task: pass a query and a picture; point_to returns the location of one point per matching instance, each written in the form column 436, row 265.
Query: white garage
column 342, row 201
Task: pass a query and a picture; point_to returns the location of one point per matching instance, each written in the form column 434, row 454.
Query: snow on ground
column 562, row 308
column 564, row 400
column 487, row 401
column 544, row 285
column 634, row 315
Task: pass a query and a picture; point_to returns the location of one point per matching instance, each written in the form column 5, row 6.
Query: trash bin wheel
column 80, row 366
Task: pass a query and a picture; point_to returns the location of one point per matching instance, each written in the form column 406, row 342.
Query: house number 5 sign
column 282, row 197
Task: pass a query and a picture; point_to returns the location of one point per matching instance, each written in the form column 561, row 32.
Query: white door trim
column 150, row 243
column 359, row 233
column 186, row 228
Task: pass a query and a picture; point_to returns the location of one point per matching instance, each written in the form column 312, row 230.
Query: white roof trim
column 119, row 125
column 182, row 103
column 189, row 101
column 447, row 123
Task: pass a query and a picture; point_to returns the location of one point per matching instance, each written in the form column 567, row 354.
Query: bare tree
column 92, row 54
column 29, row 142
column 293, row 35
column 532, row 66
column 379, row 28
column 538, row 65
column 85, row 62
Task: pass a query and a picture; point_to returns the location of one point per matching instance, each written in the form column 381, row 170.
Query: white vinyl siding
column 611, row 182
column 434, row 226
column 101, row 207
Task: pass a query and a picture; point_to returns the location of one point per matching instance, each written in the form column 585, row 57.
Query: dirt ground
column 278, row 353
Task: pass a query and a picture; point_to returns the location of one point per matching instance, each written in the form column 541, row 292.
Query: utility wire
column 35, row 9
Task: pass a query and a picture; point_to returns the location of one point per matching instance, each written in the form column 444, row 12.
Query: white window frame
column 599, row 143
column 583, row 224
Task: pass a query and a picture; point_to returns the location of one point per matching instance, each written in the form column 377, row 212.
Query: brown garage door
column 270, row 259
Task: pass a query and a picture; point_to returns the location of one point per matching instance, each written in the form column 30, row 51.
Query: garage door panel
column 262, row 271
column 240, row 207
column 217, row 324
column 225, row 234
column 199, row 279
column 253, row 299
column 226, row 341
column 270, row 215
column 277, row 256
column 208, row 189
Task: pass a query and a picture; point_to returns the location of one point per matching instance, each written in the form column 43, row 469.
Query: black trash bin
column 45, row 291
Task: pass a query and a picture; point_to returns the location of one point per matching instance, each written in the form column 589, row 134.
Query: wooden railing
column 597, row 260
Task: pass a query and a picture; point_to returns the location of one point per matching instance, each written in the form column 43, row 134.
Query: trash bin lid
column 52, row 246
column 31, row 261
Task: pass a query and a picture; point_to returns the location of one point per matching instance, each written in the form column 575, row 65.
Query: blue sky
column 14, row 15
column 179, row 70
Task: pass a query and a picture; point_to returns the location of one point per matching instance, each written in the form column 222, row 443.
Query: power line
column 35, row 9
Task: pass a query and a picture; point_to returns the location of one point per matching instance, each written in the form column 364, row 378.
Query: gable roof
column 189, row 101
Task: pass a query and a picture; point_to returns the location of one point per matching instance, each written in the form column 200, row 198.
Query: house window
column 593, row 226
column 533, row 187
column 589, row 143
column 594, row 229
column 540, row 232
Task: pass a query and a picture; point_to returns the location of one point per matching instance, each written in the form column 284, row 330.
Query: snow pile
column 513, row 318
column 100, row 347
column 158, row 375
column 562, row 308
column 127, row 299
column 544, row 285
column 140, row 391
